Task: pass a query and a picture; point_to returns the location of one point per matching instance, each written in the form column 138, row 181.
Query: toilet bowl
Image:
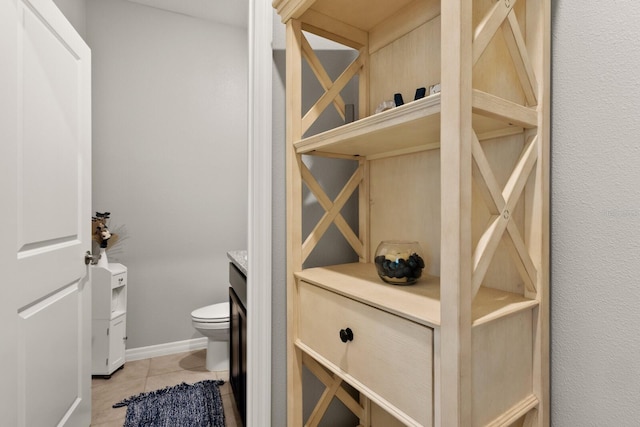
column 212, row 321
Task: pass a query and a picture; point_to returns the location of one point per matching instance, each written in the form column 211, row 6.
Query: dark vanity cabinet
column 238, row 344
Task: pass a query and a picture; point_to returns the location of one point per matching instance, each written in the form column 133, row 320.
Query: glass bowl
column 399, row 262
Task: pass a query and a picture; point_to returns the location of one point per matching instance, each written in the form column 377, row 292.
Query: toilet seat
column 215, row 313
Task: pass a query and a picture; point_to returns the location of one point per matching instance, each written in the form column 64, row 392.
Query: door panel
column 45, row 159
column 51, row 68
column 49, row 143
column 49, row 333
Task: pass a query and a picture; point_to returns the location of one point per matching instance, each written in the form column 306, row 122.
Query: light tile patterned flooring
column 152, row 374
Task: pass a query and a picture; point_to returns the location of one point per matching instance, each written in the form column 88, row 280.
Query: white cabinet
column 109, row 318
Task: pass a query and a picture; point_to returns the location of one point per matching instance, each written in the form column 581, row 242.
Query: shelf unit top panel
column 411, row 127
column 419, row 302
column 362, row 14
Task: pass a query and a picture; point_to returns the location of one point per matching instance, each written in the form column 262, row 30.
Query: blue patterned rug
column 183, row 405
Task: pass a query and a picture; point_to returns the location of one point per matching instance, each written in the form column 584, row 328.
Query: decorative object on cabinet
column 468, row 170
column 384, row 106
column 109, row 318
column 349, row 113
column 399, row 262
column 101, row 235
column 433, row 89
column 107, row 238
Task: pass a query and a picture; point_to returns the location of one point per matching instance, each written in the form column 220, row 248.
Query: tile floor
column 152, row 374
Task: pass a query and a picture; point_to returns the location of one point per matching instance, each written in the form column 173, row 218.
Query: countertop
column 239, row 259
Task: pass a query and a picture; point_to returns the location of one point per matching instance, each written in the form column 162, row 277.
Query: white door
column 45, row 214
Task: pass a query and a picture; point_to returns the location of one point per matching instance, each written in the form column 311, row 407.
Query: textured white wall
column 170, row 157
column 595, row 214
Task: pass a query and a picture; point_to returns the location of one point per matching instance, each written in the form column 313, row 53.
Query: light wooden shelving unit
column 465, row 172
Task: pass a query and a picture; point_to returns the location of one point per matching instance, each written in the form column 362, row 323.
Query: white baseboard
column 165, row 349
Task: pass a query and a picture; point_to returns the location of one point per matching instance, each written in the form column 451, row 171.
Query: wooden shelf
column 465, row 169
column 419, row 303
column 410, row 128
column 362, row 14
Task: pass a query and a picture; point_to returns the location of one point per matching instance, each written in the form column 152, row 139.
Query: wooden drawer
column 390, row 358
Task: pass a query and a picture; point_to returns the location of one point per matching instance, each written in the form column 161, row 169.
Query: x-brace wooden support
column 327, row 205
column 331, row 88
column 332, row 211
column 503, row 16
column 333, row 389
column 501, row 205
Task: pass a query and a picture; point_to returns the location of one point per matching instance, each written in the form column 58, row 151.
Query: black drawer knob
column 346, row 335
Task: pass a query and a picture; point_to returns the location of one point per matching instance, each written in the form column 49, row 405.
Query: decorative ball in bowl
column 399, row 262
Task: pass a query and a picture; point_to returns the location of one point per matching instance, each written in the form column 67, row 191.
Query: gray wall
column 595, row 268
column 75, row 12
column 169, row 158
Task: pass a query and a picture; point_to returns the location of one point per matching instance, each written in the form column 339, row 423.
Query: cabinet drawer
column 390, row 356
column 118, row 280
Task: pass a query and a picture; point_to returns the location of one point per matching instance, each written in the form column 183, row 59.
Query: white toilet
column 212, row 321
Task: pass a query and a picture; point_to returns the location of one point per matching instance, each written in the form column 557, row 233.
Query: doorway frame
column 260, row 34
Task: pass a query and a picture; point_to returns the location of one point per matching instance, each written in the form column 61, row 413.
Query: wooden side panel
column 401, row 23
column 538, row 39
column 405, row 203
column 502, row 357
column 294, row 216
column 410, row 62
